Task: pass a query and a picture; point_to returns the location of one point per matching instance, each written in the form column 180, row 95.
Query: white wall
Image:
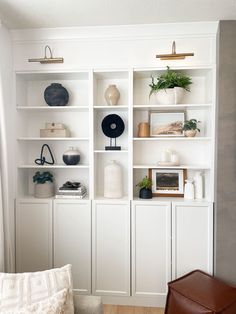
column 6, row 68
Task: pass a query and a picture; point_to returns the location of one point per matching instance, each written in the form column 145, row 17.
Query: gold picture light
column 46, row 59
column 174, row 55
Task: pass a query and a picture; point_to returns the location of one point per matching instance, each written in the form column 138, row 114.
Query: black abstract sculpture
column 113, row 126
column 42, row 159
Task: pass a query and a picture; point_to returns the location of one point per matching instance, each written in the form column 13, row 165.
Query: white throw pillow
column 53, row 305
column 20, row 290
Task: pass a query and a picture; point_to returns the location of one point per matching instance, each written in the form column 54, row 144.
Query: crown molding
column 117, row 32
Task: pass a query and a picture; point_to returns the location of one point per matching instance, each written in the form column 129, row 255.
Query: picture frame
column 168, row 182
column 166, row 123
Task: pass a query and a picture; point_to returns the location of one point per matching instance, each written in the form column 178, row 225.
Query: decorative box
column 53, row 125
column 54, row 133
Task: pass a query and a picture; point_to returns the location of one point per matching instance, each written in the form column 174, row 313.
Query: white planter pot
column 170, row 96
column 44, row 190
column 190, row 133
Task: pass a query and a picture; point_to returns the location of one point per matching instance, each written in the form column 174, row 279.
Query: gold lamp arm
column 174, row 55
column 46, row 59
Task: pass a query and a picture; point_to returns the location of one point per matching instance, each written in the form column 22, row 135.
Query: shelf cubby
column 201, row 89
column 101, row 161
column 100, row 140
column 60, row 175
column 102, row 79
column 30, row 88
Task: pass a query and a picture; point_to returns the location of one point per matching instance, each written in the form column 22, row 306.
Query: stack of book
column 72, row 190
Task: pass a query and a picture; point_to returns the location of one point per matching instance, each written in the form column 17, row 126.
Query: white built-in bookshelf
column 84, row 114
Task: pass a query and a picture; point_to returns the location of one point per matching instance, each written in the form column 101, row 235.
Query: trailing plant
column 170, row 79
column 42, row 177
column 191, row 125
column 145, row 183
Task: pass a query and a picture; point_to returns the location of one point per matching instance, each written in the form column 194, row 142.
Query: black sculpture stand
column 111, row 147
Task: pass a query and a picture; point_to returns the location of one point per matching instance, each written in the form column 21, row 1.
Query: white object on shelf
column 198, row 183
column 189, row 190
column 113, row 185
column 174, row 158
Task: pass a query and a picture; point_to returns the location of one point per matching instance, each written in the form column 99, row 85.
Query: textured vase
column 190, row 133
column 113, row 185
column 56, row 95
column 44, row 190
column 112, row 95
column 71, row 157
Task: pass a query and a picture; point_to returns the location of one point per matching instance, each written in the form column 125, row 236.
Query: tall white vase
column 189, row 190
column 113, row 185
column 198, row 182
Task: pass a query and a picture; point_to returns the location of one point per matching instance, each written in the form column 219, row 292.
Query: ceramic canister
column 71, row 156
column 56, row 95
column 112, row 95
column 189, row 190
column 113, row 185
column 143, row 129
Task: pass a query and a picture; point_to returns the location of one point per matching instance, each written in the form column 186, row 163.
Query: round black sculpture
column 113, row 126
column 56, row 95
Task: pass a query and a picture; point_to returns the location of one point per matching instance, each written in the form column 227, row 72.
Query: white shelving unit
column 123, row 249
column 33, row 113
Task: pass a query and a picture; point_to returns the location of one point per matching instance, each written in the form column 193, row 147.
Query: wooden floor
column 118, row 309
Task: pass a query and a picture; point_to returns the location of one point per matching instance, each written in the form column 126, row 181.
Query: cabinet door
column 72, row 240
column 33, row 235
column 151, row 248
column 192, row 226
column 111, row 248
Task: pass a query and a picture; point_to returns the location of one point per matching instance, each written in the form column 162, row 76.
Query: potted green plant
column 145, row 188
column 43, row 184
column 190, row 127
column 170, row 87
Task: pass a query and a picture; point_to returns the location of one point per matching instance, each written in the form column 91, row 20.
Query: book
column 70, row 196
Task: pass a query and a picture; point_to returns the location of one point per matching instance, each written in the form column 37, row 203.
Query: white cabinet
column 192, row 246
column 111, row 248
column 72, row 240
column 33, row 235
column 151, row 248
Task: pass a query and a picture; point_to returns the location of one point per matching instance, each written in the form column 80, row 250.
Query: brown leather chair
column 200, row 293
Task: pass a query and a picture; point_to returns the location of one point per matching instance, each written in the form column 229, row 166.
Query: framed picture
column 168, row 182
column 166, row 123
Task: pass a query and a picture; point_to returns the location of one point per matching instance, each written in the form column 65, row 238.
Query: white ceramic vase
column 189, row 190
column 113, row 182
column 170, row 96
column 44, row 190
column 198, row 182
column 112, row 95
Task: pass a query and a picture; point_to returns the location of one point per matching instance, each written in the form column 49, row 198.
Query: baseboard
column 155, row 301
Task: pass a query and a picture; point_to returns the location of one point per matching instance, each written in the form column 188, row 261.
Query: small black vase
column 56, row 95
column 145, row 193
column 71, row 157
